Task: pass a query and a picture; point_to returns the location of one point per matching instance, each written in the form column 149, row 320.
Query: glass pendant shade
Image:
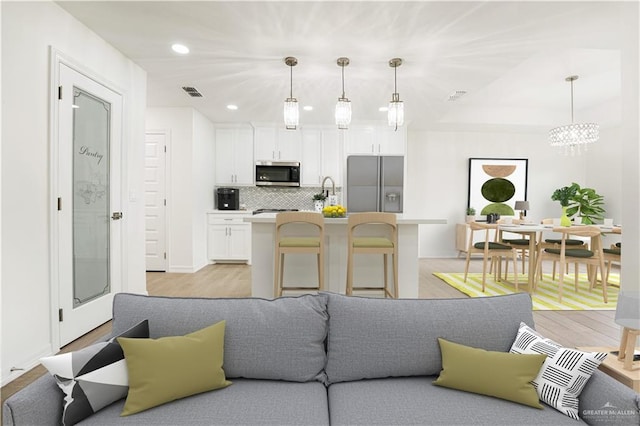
column 343, row 107
column 343, row 113
column 395, row 113
column 291, row 114
column 574, row 137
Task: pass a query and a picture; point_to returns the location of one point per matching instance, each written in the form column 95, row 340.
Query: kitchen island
column 300, row 270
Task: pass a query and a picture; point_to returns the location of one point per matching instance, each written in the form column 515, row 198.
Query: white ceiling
column 511, row 57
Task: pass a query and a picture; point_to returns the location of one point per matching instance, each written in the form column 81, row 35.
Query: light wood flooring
column 570, row 328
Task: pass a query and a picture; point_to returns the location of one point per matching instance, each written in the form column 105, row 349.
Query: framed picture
column 495, row 184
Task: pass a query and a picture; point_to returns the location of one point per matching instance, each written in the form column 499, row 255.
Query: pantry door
column 89, row 213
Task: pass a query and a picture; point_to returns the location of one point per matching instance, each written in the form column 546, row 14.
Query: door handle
column 116, row 215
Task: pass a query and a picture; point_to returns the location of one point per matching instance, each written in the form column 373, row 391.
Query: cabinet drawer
column 226, row 218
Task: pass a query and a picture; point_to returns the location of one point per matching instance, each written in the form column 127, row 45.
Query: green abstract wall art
column 495, row 184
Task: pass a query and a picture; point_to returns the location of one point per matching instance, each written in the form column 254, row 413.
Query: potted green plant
column 471, row 214
column 587, row 204
column 564, row 195
column 318, row 201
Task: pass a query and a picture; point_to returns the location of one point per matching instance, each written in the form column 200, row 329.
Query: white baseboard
column 33, row 360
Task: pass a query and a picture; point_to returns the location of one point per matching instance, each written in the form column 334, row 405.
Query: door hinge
column 165, row 255
column 59, row 203
column 60, row 315
column 60, row 93
column 165, row 148
column 165, row 201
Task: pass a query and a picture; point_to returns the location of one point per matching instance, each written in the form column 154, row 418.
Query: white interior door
column 89, row 262
column 155, row 201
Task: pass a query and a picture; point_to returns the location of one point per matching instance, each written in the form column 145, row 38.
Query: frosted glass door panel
column 91, row 221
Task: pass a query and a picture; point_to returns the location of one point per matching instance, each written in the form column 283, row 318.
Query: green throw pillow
column 490, row 373
column 169, row 368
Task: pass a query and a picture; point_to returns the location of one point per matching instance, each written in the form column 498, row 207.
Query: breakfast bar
column 299, row 268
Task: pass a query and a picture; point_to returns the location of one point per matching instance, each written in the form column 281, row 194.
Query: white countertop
column 401, row 219
column 231, row 211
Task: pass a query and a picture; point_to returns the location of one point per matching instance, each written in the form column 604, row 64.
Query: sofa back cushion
column 281, row 339
column 375, row 338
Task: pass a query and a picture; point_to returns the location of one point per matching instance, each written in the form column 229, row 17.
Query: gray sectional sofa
column 329, row 359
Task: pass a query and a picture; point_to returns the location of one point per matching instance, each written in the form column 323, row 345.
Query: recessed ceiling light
column 180, row 48
column 232, row 107
column 307, row 108
column 383, row 109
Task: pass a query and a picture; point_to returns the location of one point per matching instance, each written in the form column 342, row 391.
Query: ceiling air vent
column 454, row 96
column 192, row 91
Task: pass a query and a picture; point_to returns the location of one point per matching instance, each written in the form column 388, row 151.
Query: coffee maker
column 227, row 198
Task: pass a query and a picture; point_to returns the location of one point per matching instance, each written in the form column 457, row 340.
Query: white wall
column 203, row 181
column 28, row 31
column 438, row 176
column 190, row 190
column 179, row 123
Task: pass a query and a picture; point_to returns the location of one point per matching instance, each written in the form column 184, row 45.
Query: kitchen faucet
column 333, row 185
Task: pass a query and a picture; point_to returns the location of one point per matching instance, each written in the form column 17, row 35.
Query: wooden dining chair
column 491, row 251
column 555, row 243
column 565, row 253
column 520, row 244
column 611, row 255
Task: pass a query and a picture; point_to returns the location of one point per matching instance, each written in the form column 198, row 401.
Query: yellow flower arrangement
column 334, row 211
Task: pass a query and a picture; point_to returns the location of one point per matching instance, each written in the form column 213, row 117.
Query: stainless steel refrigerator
column 375, row 183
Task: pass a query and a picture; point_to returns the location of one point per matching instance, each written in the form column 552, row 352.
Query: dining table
column 534, row 231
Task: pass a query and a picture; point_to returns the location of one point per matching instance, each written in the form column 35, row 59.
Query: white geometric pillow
column 93, row 377
column 563, row 374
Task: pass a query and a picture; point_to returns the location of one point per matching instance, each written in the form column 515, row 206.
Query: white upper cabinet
column 321, row 156
column 234, row 156
column 277, row 144
column 375, row 140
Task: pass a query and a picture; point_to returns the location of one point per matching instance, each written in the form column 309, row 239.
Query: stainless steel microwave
column 277, row 173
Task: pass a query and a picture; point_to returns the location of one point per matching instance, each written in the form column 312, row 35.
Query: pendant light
column 291, row 114
column 395, row 112
column 572, row 137
column 343, row 107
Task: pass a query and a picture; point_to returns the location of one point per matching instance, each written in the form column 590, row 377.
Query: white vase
column 318, row 205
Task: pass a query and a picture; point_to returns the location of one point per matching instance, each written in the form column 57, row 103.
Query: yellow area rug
column 546, row 296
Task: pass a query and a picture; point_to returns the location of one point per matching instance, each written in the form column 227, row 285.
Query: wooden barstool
column 385, row 245
column 295, row 244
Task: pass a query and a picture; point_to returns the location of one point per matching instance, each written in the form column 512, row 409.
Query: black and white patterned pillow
column 93, row 377
column 563, row 374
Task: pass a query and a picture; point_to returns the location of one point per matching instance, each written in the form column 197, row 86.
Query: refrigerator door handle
column 380, row 187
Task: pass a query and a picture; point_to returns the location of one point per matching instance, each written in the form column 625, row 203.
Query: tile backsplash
column 261, row 197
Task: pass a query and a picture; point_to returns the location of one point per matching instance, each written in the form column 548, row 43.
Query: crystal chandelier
column 395, row 113
column 343, row 107
column 575, row 136
column 291, row 114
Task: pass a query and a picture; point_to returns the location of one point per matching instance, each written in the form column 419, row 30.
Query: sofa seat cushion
column 281, row 339
column 376, row 338
column 246, row 402
column 416, row 401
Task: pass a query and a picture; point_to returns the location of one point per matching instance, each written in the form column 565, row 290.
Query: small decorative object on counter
column 318, row 202
column 471, row 214
column 334, row 211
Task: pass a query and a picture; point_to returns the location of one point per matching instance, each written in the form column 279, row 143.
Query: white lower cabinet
column 228, row 237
